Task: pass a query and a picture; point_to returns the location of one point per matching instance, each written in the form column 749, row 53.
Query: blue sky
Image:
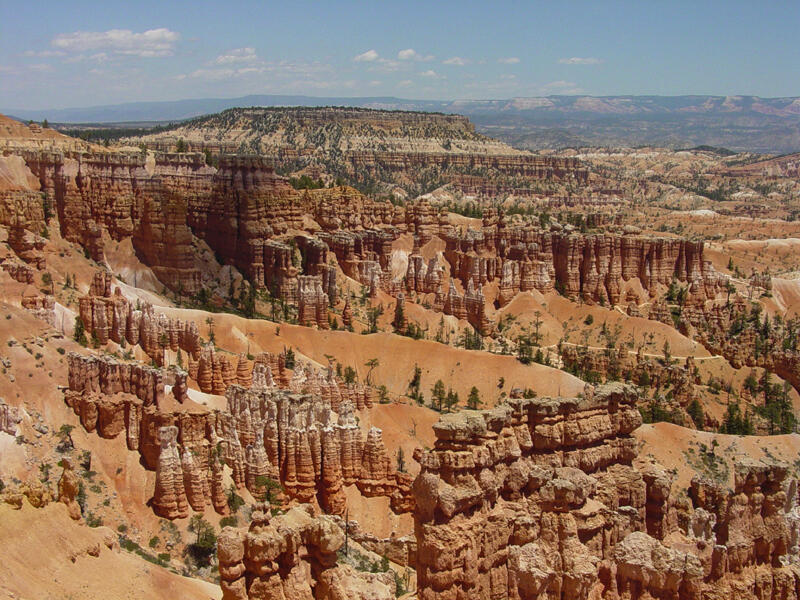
column 56, row 54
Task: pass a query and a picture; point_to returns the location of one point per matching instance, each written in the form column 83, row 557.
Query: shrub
column 229, row 521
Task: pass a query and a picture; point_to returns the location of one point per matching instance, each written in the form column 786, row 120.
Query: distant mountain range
column 740, row 123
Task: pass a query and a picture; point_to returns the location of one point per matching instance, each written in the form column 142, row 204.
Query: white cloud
column 456, row 61
column 509, row 60
column 430, row 73
column 562, row 87
column 508, row 76
column 577, row 60
column 237, row 55
column 43, row 53
column 276, row 70
column 411, row 54
column 389, row 65
column 405, row 83
column 368, row 56
column 148, row 44
column 78, row 58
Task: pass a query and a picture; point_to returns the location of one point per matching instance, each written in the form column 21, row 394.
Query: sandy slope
column 681, row 449
column 397, row 355
column 45, row 556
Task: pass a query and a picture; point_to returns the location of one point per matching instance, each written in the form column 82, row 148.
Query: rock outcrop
column 539, row 499
column 736, row 329
column 522, row 500
column 26, row 244
column 18, row 270
column 620, row 364
column 292, row 556
column 304, row 438
column 9, row 418
column 312, row 302
column 68, row 488
column 169, row 497
column 591, row 267
column 123, row 196
column 310, row 449
column 110, row 316
column 41, row 305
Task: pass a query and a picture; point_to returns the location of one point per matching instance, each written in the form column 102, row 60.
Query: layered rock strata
column 25, row 244
column 18, row 270
column 169, row 497
column 591, row 267
column 125, row 196
column 540, row 499
column 522, row 500
column 108, row 316
column 313, row 451
column 41, row 305
column 471, row 305
column 305, row 438
column 312, row 302
column 289, row 556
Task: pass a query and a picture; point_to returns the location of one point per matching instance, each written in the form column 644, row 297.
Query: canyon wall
column 292, row 556
column 521, row 165
column 506, row 504
column 540, row 498
column 108, row 316
column 254, row 220
column 122, row 196
column 306, row 440
column 591, row 267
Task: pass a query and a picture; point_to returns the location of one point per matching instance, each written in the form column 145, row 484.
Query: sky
column 56, row 54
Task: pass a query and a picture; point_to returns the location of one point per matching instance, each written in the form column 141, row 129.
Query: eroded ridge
column 540, row 498
column 305, row 437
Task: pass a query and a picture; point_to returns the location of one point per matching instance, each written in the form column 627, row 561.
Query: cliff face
column 293, row 557
column 590, row 267
column 506, row 505
column 108, row 316
column 522, row 165
column 161, row 201
column 242, row 205
column 305, row 437
column 280, row 238
column 122, row 196
column 538, row 498
column 387, row 146
column 239, row 208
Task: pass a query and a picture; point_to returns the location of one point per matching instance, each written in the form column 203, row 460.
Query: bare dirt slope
column 690, row 452
column 397, row 355
column 46, row 555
